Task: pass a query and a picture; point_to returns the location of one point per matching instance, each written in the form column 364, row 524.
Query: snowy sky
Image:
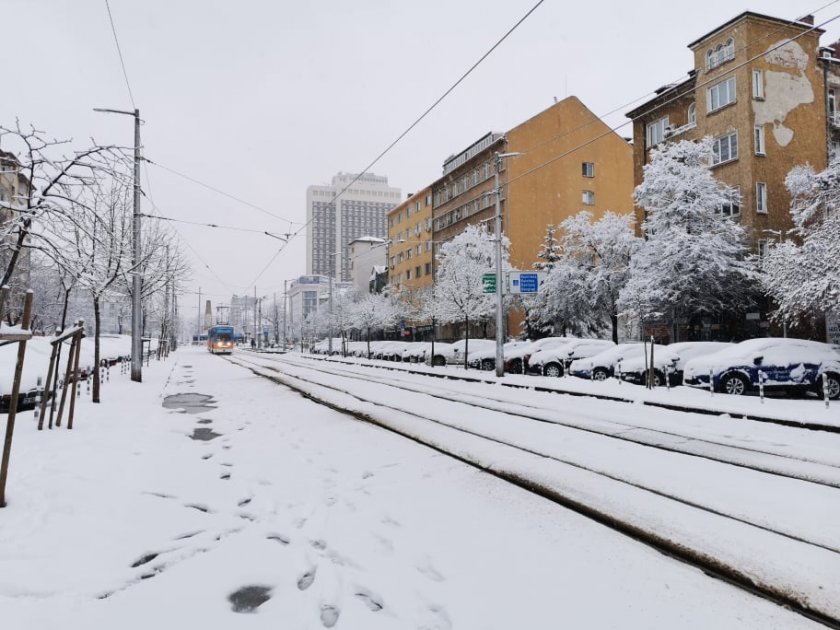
column 261, row 99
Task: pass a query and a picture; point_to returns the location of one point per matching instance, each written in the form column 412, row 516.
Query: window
column 763, row 248
column 656, row 131
column 408, row 254
column 721, row 94
column 588, row 169
column 692, row 114
column 832, row 104
column 408, row 274
column 725, row 149
column 720, row 54
column 759, row 140
column 588, row 198
column 407, row 211
column 733, row 207
column 418, row 250
column 758, row 85
column 428, row 269
column 428, row 199
column 417, row 272
column 761, row 197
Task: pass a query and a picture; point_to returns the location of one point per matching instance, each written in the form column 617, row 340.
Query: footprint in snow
column 329, row 615
column 373, row 602
column 425, row 568
column 306, row 580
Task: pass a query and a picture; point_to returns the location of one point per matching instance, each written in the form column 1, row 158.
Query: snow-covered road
column 778, row 530
column 127, row 522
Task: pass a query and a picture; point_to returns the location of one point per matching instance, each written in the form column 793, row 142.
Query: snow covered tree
column 373, row 311
column 459, row 288
column 533, row 305
column 603, row 249
column 550, row 250
column 804, row 279
column 694, row 259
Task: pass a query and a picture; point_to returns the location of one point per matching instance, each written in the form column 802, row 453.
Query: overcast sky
column 262, row 98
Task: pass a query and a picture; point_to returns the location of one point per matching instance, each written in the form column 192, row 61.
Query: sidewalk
column 128, row 522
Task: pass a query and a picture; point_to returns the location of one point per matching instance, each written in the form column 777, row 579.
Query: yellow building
column 410, row 244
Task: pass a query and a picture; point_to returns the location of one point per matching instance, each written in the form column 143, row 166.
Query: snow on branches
column 694, row 258
column 805, row 279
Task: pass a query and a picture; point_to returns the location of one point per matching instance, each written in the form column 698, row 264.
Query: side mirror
column 675, row 360
column 758, row 360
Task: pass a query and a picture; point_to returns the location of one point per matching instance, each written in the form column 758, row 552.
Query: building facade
column 342, row 212
column 411, row 244
column 758, row 89
column 14, row 191
column 366, row 254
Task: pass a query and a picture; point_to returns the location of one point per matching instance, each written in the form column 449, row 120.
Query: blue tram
column 220, row 339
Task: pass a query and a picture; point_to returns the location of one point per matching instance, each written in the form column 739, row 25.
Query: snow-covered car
column 601, row 366
column 517, row 360
column 554, row 361
column 419, row 351
column 794, row 365
column 390, row 350
column 671, row 360
column 486, row 359
column 453, row 353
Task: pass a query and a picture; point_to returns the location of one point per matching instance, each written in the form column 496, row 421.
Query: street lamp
column 500, row 357
column 329, row 327
column 136, row 341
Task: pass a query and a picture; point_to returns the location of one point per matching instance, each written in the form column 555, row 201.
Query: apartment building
column 758, row 88
column 411, row 244
column 352, row 206
column 367, row 255
column 14, row 189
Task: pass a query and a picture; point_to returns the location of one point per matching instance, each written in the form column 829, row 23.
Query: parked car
column 601, row 366
column 671, row 360
column 486, row 359
column 390, row 350
column 517, row 360
column 453, row 353
column 555, row 360
column 792, row 365
column 418, row 351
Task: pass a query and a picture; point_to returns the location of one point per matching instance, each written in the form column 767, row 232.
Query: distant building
column 307, row 295
column 342, row 212
column 366, row 253
column 14, row 191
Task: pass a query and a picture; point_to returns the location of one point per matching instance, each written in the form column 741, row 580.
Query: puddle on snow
column 189, row 403
column 248, row 598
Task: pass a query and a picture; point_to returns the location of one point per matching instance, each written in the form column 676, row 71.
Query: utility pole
column 255, row 317
column 285, row 284
column 500, row 319
column 198, row 319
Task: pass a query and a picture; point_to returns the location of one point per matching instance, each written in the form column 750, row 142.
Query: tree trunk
column 368, row 343
column 466, row 341
column 96, row 321
column 614, row 324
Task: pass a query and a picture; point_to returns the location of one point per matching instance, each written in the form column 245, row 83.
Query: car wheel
column 488, row 364
column 600, row 374
column 553, row 369
column 734, row 384
column 439, row 361
column 832, row 382
column 658, row 378
column 516, row 366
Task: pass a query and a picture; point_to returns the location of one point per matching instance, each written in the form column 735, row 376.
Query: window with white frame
column 763, row 248
column 721, row 94
column 588, row 169
column 761, row 197
column 832, row 103
column 758, row 85
column 692, row 114
column 758, row 136
column 725, row 149
column 588, row 198
column 720, row 54
column 655, row 131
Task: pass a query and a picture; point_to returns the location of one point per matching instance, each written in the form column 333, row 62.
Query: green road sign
column 489, row 281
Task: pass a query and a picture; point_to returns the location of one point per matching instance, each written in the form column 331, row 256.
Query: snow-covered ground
column 128, row 522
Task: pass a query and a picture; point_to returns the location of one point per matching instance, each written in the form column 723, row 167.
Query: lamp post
column 330, row 314
column 136, row 340
column 500, row 356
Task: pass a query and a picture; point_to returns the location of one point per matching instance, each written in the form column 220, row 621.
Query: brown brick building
column 759, row 90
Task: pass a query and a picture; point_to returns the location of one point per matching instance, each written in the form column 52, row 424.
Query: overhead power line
column 412, row 126
column 222, row 192
column 119, row 52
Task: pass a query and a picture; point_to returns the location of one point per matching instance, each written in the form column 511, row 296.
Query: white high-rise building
column 336, row 221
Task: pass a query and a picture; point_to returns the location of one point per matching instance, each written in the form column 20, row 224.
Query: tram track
column 788, row 595
column 821, row 472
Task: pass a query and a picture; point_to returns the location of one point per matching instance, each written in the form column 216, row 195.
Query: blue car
column 792, row 365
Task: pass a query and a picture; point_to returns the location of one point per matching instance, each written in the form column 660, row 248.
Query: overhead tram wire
column 223, row 193
column 622, row 107
column 668, row 101
column 119, row 52
column 408, row 129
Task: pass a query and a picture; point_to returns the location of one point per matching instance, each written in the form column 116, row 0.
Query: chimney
column 806, row 19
